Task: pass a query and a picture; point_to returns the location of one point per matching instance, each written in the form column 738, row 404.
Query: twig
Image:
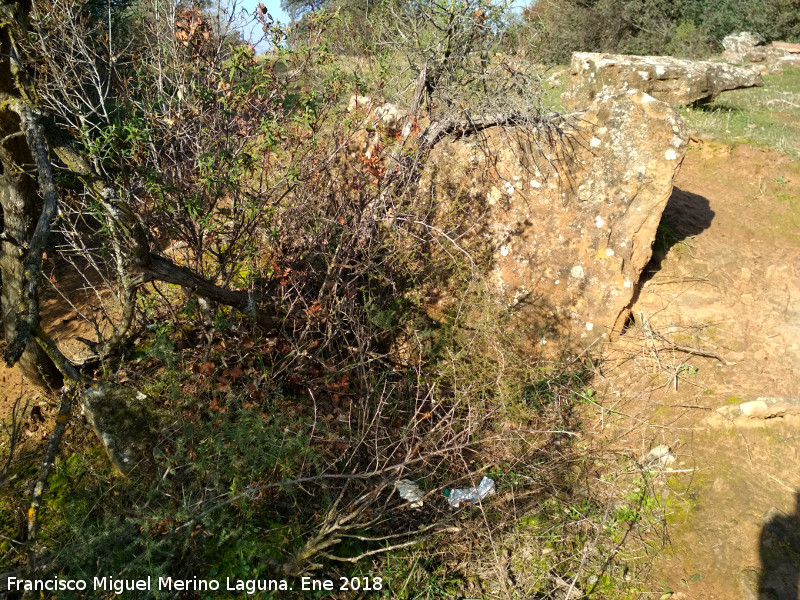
column 355, row 559
column 47, row 464
column 347, row 476
column 782, row 484
column 746, row 445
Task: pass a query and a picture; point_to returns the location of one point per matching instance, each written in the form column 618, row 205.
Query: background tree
column 684, row 28
column 297, row 8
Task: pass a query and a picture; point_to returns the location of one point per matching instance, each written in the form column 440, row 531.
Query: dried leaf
column 207, row 368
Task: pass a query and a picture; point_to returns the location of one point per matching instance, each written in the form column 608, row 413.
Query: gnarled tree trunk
column 21, row 207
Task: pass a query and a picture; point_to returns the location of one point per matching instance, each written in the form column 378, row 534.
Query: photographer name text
column 247, row 586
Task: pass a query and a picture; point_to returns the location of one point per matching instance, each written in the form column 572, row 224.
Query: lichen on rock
column 120, row 420
column 566, row 252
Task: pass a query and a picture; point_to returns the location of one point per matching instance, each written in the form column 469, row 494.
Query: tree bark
column 20, row 203
column 21, row 208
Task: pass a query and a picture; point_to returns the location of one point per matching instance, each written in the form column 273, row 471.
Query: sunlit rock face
column 676, row 81
column 568, row 211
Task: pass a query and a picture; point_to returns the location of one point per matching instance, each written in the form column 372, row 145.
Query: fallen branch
column 439, row 130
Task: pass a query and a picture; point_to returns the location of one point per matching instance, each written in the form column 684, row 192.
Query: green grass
column 768, row 116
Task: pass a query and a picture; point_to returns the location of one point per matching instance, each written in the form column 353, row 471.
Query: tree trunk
column 21, row 207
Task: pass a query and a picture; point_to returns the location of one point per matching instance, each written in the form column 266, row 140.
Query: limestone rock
column 390, row 118
column 762, row 408
column 770, row 59
column 567, row 210
column 784, row 54
column 676, row 81
column 364, row 103
column 784, row 48
column 748, row 584
column 741, row 43
column 120, row 420
column 659, row 458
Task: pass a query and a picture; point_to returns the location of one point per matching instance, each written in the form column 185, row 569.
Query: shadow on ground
column 780, row 555
column 685, row 215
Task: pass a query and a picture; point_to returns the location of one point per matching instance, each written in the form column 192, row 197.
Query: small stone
column 658, row 458
column 748, row 584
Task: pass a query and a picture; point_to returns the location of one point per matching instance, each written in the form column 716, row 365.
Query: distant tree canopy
column 678, row 27
column 297, row 8
column 552, row 29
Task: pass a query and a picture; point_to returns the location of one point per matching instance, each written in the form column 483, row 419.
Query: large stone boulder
column 567, row 210
column 741, row 42
column 676, row 81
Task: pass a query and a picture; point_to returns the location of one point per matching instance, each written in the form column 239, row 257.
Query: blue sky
column 249, row 6
column 273, row 6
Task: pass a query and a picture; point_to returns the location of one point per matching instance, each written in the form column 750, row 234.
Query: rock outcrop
column 762, row 408
column 675, row 81
column 746, row 48
column 741, row 42
column 121, row 421
column 568, row 210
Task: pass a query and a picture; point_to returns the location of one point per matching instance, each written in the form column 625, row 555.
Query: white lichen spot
column 577, row 272
column 677, row 141
column 628, row 283
column 670, row 154
column 660, row 70
column 493, row 196
column 535, row 184
column 589, row 326
column 504, row 250
column 623, row 244
column 543, row 342
column 508, row 188
column 557, row 281
column 599, row 222
column 594, row 142
column 609, row 252
column 644, row 75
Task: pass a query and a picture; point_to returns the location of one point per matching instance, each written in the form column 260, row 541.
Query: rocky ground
column 725, row 281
